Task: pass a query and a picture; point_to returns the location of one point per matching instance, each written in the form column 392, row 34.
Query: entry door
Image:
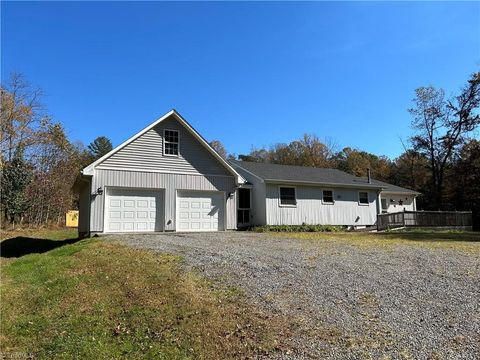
column 384, row 205
column 244, row 207
column 200, row 211
column 133, row 210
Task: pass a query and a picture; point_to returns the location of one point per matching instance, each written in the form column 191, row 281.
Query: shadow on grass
column 433, row 236
column 20, row 246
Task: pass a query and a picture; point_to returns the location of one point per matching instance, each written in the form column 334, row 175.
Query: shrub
column 297, row 228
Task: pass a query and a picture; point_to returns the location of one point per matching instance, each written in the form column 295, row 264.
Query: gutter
column 315, row 183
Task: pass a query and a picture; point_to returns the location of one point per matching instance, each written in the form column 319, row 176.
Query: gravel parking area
column 345, row 301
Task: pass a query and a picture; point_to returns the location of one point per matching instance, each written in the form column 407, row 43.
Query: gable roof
column 239, row 179
column 310, row 175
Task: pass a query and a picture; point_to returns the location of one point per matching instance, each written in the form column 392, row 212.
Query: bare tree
column 443, row 125
column 219, row 148
column 21, row 116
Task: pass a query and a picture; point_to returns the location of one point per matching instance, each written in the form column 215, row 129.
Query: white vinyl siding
column 146, row 153
column 311, row 210
column 397, row 202
column 171, row 183
column 258, row 194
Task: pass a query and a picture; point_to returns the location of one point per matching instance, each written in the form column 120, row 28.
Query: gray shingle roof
column 304, row 174
column 393, row 188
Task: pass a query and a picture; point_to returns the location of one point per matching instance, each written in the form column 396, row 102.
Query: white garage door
column 133, row 210
column 200, row 211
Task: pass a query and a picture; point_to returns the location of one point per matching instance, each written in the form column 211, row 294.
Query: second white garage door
column 200, row 211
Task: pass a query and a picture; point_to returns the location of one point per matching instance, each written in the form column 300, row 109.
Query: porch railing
column 454, row 219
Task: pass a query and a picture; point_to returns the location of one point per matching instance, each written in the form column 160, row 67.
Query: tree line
column 441, row 159
column 39, row 163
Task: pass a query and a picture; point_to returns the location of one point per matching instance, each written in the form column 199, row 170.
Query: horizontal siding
column 170, row 182
column 146, row 153
column 310, row 210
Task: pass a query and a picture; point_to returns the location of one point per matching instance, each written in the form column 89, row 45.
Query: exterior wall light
column 99, row 191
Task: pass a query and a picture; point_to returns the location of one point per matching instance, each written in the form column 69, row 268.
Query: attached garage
column 134, row 210
column 200, row 210
column 166, row 177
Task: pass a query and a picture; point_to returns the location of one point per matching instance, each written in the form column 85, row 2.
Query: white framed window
column 287, row 196
column 363, row 198
column 327, row 197
column 171, row 142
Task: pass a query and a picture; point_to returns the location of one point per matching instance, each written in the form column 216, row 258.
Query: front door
column 244, row 207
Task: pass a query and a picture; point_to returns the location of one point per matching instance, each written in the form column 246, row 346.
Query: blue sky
column 248, row 74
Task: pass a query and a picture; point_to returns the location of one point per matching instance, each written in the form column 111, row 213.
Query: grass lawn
column 441, row 239
column 65, row 298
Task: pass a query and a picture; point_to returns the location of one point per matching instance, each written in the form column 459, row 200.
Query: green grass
column 440, row 239
column 297, row 228
column 92, row 299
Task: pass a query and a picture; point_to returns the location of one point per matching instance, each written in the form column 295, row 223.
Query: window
column 363, row 198
column 327, row 196
column 244, row 198
column 287, row 196
column 384, row 205
column 170, row 142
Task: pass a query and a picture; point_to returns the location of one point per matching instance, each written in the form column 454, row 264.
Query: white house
column 294, row 195
column 168, row 178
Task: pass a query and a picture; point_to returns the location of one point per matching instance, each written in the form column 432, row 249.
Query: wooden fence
column 454, row 219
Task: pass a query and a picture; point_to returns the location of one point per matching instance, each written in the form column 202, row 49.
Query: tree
column 16, row 175
column 219, row 148
column 356, row 162
column 463, row 181
column 99, row 147
column 410, row 170
column 56, row 165
column 22, row 119
column 442, row 126
column 306, row 151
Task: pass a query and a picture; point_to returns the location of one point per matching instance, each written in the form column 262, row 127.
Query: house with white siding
column 168, row 178
column 295, row 195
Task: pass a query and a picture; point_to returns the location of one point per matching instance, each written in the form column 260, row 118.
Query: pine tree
column 99, row 147
column 16, row 175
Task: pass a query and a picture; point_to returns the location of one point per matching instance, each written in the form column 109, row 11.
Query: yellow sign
column 71, row 218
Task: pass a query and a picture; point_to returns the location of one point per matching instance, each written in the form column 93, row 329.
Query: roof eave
column 316, row 183
column 89, row 170
column 406, row 192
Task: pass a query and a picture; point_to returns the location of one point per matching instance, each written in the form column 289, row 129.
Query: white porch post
column 379, row 203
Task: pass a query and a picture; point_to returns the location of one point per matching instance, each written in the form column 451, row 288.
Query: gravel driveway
column 346, row 301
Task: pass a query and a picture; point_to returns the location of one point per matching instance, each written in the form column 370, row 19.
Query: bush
column 297, row 228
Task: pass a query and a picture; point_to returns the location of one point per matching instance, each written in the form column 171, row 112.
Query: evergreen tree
column 16, row 175
column 99, row 147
